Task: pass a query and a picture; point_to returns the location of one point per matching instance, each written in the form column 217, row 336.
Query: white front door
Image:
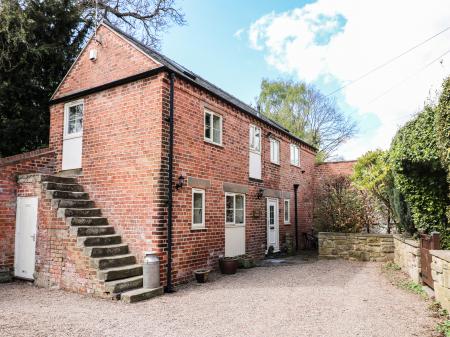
column 73, row 135
column 26, row 227
column 273, row 226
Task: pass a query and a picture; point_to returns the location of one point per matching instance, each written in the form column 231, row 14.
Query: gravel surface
column 314, row 298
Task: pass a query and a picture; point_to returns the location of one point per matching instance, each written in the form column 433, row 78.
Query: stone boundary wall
column 356, row 246
column 440, row 270
column 407, row 256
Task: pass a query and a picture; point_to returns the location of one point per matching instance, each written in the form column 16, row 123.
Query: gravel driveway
column 313, row 298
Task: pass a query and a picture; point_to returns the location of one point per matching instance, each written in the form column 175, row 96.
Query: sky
column 328, row 43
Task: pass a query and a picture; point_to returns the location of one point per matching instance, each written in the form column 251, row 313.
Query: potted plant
column 201, row 275
column 246, row 262
column 228, row 265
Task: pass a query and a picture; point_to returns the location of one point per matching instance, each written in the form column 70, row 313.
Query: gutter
column 296, row 215
column 169, row 286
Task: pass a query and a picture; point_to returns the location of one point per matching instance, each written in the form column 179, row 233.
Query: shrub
column 339, row 207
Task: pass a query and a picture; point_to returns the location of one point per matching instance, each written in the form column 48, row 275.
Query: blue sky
column 234, row 44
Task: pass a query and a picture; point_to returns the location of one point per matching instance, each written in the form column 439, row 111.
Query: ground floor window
column 287, row 211
column 198, row 209
column 234, row 209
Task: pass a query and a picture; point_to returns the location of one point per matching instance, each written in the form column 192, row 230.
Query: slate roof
column 196, row 79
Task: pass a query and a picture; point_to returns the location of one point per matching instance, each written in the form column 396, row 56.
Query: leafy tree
column 339, row 207
column 307, row 113
column 372, row 173
column 39, row 40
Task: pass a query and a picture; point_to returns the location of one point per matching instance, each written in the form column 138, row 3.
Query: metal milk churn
column 151, row 270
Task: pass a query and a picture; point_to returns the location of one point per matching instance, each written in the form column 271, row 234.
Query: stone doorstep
column 141, row 294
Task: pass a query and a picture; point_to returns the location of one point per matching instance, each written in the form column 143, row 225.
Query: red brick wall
column 196, row 158
column 36, row 161
column 330, row 169
column 116, row 58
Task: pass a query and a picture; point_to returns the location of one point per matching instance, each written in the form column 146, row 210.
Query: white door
column 73, row 135
column 234, row 224
column 273, row 226
column 26, row 227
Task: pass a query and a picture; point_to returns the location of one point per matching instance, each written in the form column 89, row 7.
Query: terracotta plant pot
column 201, row 275
column 228, row 265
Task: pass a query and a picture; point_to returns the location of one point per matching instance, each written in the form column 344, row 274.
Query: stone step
column 89, row 221
column 109, row 250
column 63, row 187
column 89, row 241
column 79, row 212
column 113, row 261
column 92, row 230
column 69, row 203
column 54, row 194
column 119, row 286
column 140, row 294
column 56, row 179
column 118, row 273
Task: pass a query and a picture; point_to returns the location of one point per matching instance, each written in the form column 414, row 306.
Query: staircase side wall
column 60, row 263
column 38, row 161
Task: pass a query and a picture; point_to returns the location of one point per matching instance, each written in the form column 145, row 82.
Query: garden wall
column 407, row 257
column 356, row 247
column 440, row 267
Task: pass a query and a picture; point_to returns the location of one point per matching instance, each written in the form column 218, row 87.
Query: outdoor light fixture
column 180, row 182
column 260, row 193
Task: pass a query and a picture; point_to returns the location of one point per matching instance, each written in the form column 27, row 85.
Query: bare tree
column 307, row 113
column 144, row 19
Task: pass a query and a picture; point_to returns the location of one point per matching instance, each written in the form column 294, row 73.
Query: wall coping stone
column 411, row 242
column 356, row 234
column 30, row 177
column 25, row 156
column 441, row 254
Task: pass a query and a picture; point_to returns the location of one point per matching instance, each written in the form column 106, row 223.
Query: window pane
column 198, row 202
column 239, row 202
column 75, row 119
column 239, row 216
column 198, row 215
column 216, row 129
column 286, row 210
column 257, row 139
column 230, row 202
column 271, row 215
column 207, row 125
column 230, row 216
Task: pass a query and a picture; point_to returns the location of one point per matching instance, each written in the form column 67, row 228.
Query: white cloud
column 344, row 39
column 238, row 33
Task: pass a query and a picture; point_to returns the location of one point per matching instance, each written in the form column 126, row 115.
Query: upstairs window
column 234, row 209
column 295, row 155
column 255, row 139
column 198, row 209
column 274, row 151
column 213, row 127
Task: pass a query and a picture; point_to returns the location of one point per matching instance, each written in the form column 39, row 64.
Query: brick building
column 145, row 155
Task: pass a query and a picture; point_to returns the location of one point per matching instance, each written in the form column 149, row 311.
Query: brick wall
column 41, row 160
column 329, row 169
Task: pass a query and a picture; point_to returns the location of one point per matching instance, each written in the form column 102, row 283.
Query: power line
column 387, row 62
column 409, row 77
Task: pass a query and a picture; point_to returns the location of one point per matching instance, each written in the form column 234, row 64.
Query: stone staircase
column 116, row 267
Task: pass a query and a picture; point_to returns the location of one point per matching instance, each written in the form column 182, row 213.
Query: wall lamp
column 180, row 182
column 260, row 193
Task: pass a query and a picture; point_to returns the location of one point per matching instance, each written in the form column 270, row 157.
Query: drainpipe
column 296, row 216
column 169, row 286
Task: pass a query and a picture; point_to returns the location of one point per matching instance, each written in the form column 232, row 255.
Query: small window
column 287, row 211
column 274, row 151
column 234, row 209
column 198, row 209
column 255, row 139
column 295, row 155
column 73, row 118
column 213, row 127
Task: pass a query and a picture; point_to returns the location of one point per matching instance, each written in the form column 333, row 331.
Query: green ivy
column 419, row 173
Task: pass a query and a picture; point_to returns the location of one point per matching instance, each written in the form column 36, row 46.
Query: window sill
column 274, row 163
column 297, row 166
column 212, row 143
column 256, row 180
column 198, row 228
column 234, row 226
column 287, row 223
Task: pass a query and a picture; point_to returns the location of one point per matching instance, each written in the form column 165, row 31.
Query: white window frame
column 67, row 106
column 274, row 160
column 294, row 148
column 287, row 220
column 252, row 132
column 234, row 224
column 211, row 139
column 198, row 225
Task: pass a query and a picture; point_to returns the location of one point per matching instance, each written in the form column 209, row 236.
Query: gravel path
column 319, row 298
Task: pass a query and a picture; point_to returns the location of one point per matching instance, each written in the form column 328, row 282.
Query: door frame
column 68, row 137
column 17, row 238
column 276, row 202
